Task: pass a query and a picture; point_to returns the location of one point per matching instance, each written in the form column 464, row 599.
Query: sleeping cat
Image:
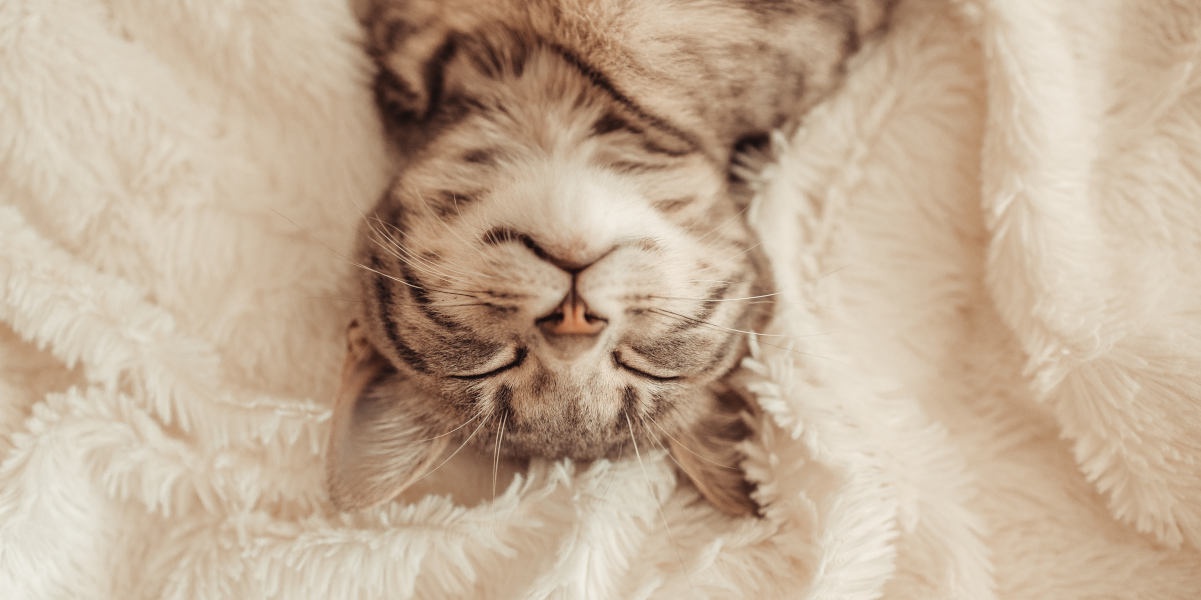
column 560, row 267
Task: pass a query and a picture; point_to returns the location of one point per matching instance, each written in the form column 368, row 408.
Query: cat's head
column 557, row 263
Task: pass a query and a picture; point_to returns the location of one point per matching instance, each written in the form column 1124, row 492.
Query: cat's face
column 558, row 275
column 558, row 291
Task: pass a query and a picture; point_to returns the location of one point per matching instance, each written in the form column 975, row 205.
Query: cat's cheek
column 377, row 447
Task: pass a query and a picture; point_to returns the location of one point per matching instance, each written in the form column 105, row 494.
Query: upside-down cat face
column 560, row 268
column 556, row 298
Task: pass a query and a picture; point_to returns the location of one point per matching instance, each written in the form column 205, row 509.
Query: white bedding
column 988, row 384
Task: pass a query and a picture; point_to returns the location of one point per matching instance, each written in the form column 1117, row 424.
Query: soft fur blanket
column 984, row 378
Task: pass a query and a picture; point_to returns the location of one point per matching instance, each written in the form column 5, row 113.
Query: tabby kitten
column 559, row 266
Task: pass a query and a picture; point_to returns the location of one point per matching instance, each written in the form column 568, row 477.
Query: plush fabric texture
column 983, row 379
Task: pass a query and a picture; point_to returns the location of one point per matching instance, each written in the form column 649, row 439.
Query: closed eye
column 518, row 358
column 639, row 372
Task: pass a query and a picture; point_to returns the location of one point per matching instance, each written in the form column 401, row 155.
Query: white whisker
column 403, row 282
column 690, row 450
column 714, row 325
column 718, row 299
column 500, row 436
column 462, row 425
column 658, row 504
column 457, row 450
column 430, row 211
column 787, row 348
column 402, row 253
column 736, row 216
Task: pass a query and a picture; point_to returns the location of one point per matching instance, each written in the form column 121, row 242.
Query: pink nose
column 572, row 318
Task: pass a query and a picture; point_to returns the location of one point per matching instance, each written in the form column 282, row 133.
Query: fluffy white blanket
column 985, row 380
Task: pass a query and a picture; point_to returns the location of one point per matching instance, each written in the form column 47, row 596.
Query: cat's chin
column 552, row 444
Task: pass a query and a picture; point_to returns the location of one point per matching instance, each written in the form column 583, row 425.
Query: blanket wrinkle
column 981, row 379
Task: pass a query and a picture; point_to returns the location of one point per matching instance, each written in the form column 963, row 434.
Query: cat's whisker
column 457, row 450
column 466, row 293
column 657, row 442
column 428, row 288
column 697, row 321
column 658, row 504
column 352, row 262
column 458, row 211
column 691, row 302
column 609, row 477
column 441, row 277
column 379, row 227
column 500, row 436
column 735, row 260
column 430, row 211
column 685, row 447
column 341, row 256
column 818, row 278
column 788, row 348
column 830, row 272
column 461, row 425
column 745, row 251
column 400, row 253
column 708, row 300
column 442, row 270
column 395, row 245
column 462, row 305
column 722, row 225
column 403, row 254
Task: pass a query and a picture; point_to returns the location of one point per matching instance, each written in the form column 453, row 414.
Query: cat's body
column 559, row 268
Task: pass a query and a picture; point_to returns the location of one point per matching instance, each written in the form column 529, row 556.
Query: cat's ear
column 412, row 44
column 708, row 455
column 377, row 447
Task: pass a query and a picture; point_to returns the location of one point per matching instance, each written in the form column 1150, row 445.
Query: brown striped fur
column 559, row 151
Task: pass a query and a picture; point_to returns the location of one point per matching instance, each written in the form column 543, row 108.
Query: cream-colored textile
column 984, row 379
